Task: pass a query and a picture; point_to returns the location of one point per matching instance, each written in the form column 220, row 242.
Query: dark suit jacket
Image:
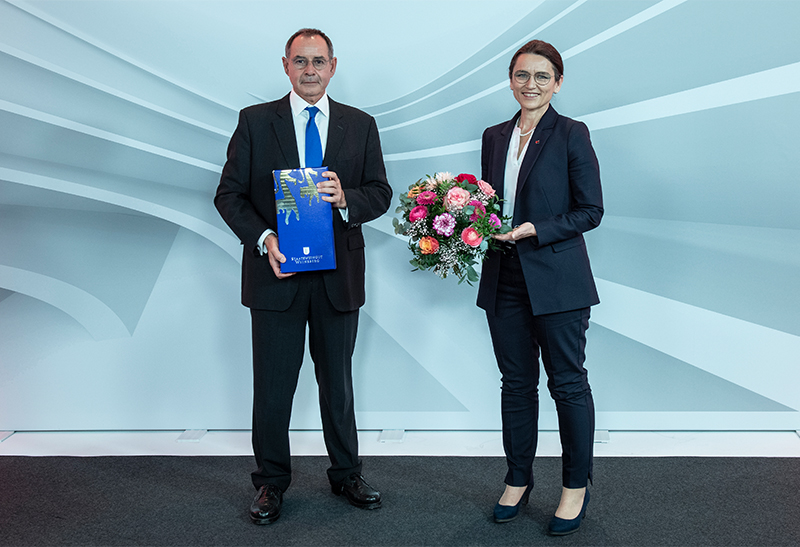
column 558, row 190
column 265, row 140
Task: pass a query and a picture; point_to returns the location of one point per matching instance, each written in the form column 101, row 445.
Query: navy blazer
column 264, row 141
column 558, row 190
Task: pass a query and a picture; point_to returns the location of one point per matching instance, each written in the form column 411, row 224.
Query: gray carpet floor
column 427, row 501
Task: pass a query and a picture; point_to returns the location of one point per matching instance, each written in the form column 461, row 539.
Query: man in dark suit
column 287, row 134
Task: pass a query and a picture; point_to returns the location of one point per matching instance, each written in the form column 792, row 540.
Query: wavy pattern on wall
column 698, row 249
column 108, row 166
column 69, row 127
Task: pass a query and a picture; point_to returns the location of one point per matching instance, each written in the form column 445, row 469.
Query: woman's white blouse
column 513, row 163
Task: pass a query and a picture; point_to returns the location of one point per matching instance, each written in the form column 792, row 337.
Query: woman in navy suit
column 538, row 290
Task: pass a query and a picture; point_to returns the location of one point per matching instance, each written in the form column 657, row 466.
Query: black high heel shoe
column 562, row 527
column 507, row 513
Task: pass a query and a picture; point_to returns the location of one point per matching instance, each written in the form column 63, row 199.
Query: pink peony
column 480, row 210
column 418, row 213
column 471, row 237
column 426, row 198
column 456, row 198
column 444, row 224
column 486, row 188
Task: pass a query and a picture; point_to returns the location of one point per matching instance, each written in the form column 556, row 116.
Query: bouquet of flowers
column 450, row 221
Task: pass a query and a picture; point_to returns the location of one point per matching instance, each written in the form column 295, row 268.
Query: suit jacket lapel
column 498, row 167
column 336, row 130
column 283, row 125
column 540, row 135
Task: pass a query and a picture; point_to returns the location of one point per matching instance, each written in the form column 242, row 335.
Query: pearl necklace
column 521, row 134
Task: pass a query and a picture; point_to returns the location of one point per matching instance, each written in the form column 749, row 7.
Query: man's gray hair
column 310, row 32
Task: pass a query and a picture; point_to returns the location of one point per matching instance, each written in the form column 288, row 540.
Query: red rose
column 466, row 177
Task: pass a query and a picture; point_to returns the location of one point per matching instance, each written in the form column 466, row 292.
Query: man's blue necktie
column 313, row 144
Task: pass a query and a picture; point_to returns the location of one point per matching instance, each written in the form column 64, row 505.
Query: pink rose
column 417, row 213
column 486, row 188
column 456, row 198
column 426, row 198
column 494, row 220
column 480, row 210
column 471, row 237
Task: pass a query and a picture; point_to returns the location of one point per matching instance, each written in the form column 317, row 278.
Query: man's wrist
column 261, row 245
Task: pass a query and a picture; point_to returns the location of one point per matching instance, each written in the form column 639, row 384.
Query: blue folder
column 305, row 221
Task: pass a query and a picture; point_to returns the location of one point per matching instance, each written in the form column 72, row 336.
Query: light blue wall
column 119, row 284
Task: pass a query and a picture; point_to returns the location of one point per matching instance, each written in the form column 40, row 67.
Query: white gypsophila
column 418, row 230
column 448, row 259
column 482, row 197
column 460, row 247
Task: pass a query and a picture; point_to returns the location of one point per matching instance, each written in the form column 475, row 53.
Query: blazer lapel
column 283, row 124
column 336, row 131
column 498, row 167
column 540, row 135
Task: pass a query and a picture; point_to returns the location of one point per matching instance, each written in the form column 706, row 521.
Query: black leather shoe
column 266, row 507
column 358, row 492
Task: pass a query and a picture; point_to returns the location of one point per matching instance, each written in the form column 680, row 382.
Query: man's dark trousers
column 278, row 349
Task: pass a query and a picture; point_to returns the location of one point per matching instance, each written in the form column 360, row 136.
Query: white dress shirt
column 300, row 118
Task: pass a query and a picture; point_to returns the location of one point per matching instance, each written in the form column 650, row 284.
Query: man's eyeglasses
column 541, row 78
column 301, row 62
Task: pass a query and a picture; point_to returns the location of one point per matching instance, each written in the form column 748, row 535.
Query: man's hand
column 332, row 190
column 526, row 229
column 276, row 258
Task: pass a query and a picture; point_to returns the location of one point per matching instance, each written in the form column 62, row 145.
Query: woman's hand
column 526, row 229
